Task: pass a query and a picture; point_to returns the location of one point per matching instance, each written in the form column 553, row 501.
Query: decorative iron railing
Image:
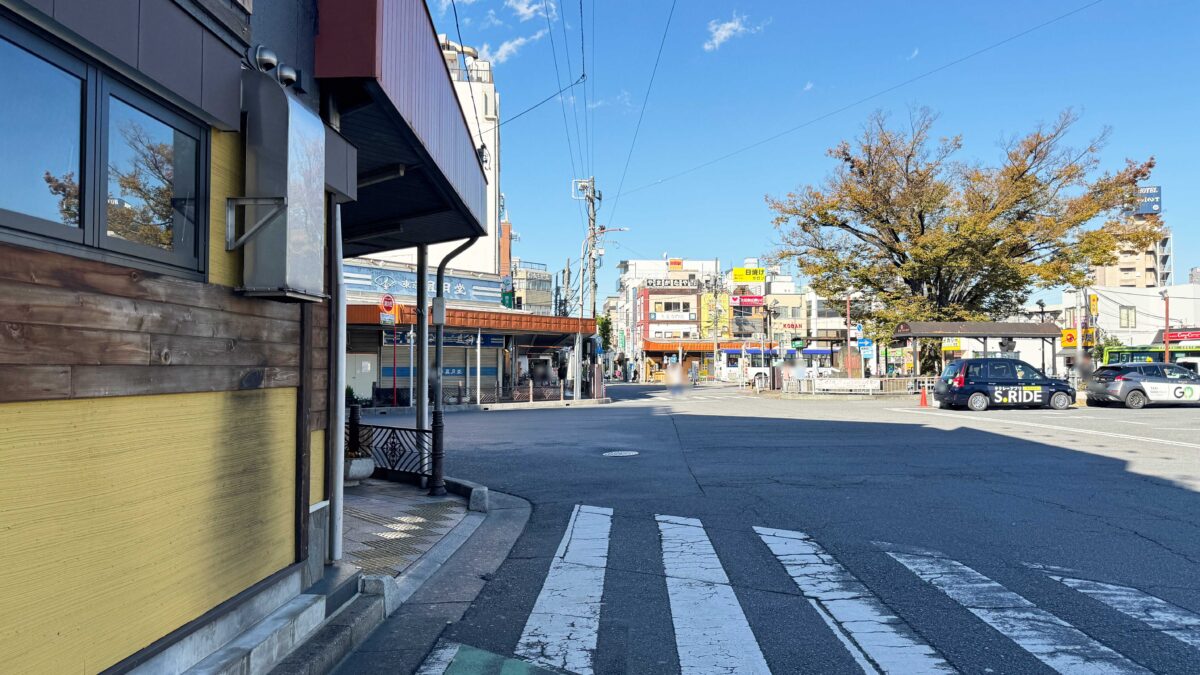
column 400, row 449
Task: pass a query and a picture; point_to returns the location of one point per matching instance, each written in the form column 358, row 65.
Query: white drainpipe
column 337, row 392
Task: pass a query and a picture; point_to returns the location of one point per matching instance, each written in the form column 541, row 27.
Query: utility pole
column 1167, row 327
column 585, row 189
column 1079, row 340
column 848, row 373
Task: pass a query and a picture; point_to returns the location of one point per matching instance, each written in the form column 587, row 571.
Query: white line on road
column 563, row 627
column 879, row 640
column 439, row 660
column 1074, row 430
column 1053, row 641
column 711, row 632
column 1151, row 610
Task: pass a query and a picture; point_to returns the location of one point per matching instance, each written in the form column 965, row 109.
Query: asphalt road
column 890, row 537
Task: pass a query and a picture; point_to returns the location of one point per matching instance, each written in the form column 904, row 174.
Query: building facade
column 174, row 376
column 533, row 289
column 1149, row 268
column 475, row 89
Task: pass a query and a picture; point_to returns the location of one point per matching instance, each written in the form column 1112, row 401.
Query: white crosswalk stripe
column 711, row 631
column 878, row 639
column 1053, row 641
column 1151, row 610
column 563, row 627
column 713, row 634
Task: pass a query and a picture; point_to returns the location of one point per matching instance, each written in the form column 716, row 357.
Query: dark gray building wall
column 290, row 30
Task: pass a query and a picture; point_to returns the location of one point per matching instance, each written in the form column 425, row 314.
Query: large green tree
column 923, row 235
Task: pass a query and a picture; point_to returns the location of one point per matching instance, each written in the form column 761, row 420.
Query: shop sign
column 1070, row 337
column 749, row 275
column 1180, row 335
column 675, row 264
column 672, row 316
column 789, row 325
column 365, row 279
column 746, row 301
column 672, row 283
column 952, row 344
column 450, row 340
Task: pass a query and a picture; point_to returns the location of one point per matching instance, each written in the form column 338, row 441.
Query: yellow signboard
column 675, row 263
column 1093, row 304
column 1070, row 337
column 952, row 344
column 749, row 275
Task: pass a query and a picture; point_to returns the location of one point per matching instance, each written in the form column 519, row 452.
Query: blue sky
column 734, row 73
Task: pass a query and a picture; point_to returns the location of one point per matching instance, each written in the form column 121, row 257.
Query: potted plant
column 359, row 464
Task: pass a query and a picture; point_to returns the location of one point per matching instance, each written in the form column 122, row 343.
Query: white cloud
column 490, row 20
column 529, row 9
column 508, row 48
column 444, row 5
column 915, row 52
column 622, row 100
column 720, row 32
column 808, row 86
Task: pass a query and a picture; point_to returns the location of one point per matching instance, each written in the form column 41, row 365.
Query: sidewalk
column 388, row 526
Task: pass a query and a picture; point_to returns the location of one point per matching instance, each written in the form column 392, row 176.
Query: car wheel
column 1135, row 400
column 978, row 402
column 1060, row 401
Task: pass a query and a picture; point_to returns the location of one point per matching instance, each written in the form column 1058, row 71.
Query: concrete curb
column 519, row 405
column 380, row 595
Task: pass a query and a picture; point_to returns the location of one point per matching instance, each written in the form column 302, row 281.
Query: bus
column 1186, row 355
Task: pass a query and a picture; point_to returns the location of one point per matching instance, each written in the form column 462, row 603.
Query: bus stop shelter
column 982, row 331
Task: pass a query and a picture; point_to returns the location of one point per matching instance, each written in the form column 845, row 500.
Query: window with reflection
column 151, row 178
column 41, row 131
column 93, row 166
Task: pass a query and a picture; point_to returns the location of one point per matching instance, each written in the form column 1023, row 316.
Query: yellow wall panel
column 316, row 467
column 224, row 267
column 121, row 519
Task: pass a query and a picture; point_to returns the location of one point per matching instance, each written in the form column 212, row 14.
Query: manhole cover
column 620, row 453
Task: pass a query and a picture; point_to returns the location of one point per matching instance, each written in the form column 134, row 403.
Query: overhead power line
column 466, row 71
column 642, row 113
column 864, row 99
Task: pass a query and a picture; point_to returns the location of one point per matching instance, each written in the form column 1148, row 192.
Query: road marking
column 1053, row 641
column 1074, row 430
column 439, row 660
column 1151, row 610
column 711, row 632
column 562, row 628
column 879, row 640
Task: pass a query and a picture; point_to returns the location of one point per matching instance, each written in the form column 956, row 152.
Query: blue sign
column 449, row 339
column 400, row 283
column 1149, row 200
column 863, row 343
column 385, row 373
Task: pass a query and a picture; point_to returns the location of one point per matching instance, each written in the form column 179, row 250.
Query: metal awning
column 420, row 178
column 976, row 329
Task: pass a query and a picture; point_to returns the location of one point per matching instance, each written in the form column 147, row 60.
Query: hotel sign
column 673, row 283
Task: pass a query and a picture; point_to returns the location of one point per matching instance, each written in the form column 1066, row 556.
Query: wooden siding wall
column 75, row 328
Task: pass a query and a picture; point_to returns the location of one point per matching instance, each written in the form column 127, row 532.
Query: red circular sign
column 387, row 303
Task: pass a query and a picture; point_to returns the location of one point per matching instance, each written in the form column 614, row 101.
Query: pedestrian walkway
column 715, row 628
column 388, row 526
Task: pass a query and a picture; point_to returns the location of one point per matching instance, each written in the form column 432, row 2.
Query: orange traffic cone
column 924, row 397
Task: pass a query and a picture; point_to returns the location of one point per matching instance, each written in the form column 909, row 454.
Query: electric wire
column 466, row 70
column 563, row 107
column 645, row 99
column 864, row 99
column 579, row 138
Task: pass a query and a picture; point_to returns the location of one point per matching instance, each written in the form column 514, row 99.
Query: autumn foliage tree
column 918, row 234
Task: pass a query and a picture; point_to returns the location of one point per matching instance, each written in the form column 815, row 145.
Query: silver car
column 1137, row 385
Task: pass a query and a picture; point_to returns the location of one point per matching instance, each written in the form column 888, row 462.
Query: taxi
column 979, row 384
column 1136, row 385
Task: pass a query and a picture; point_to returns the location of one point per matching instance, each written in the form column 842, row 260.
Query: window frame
column 185, row 248
column 189, row 258
column 1127, row 316
column 64, row 61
